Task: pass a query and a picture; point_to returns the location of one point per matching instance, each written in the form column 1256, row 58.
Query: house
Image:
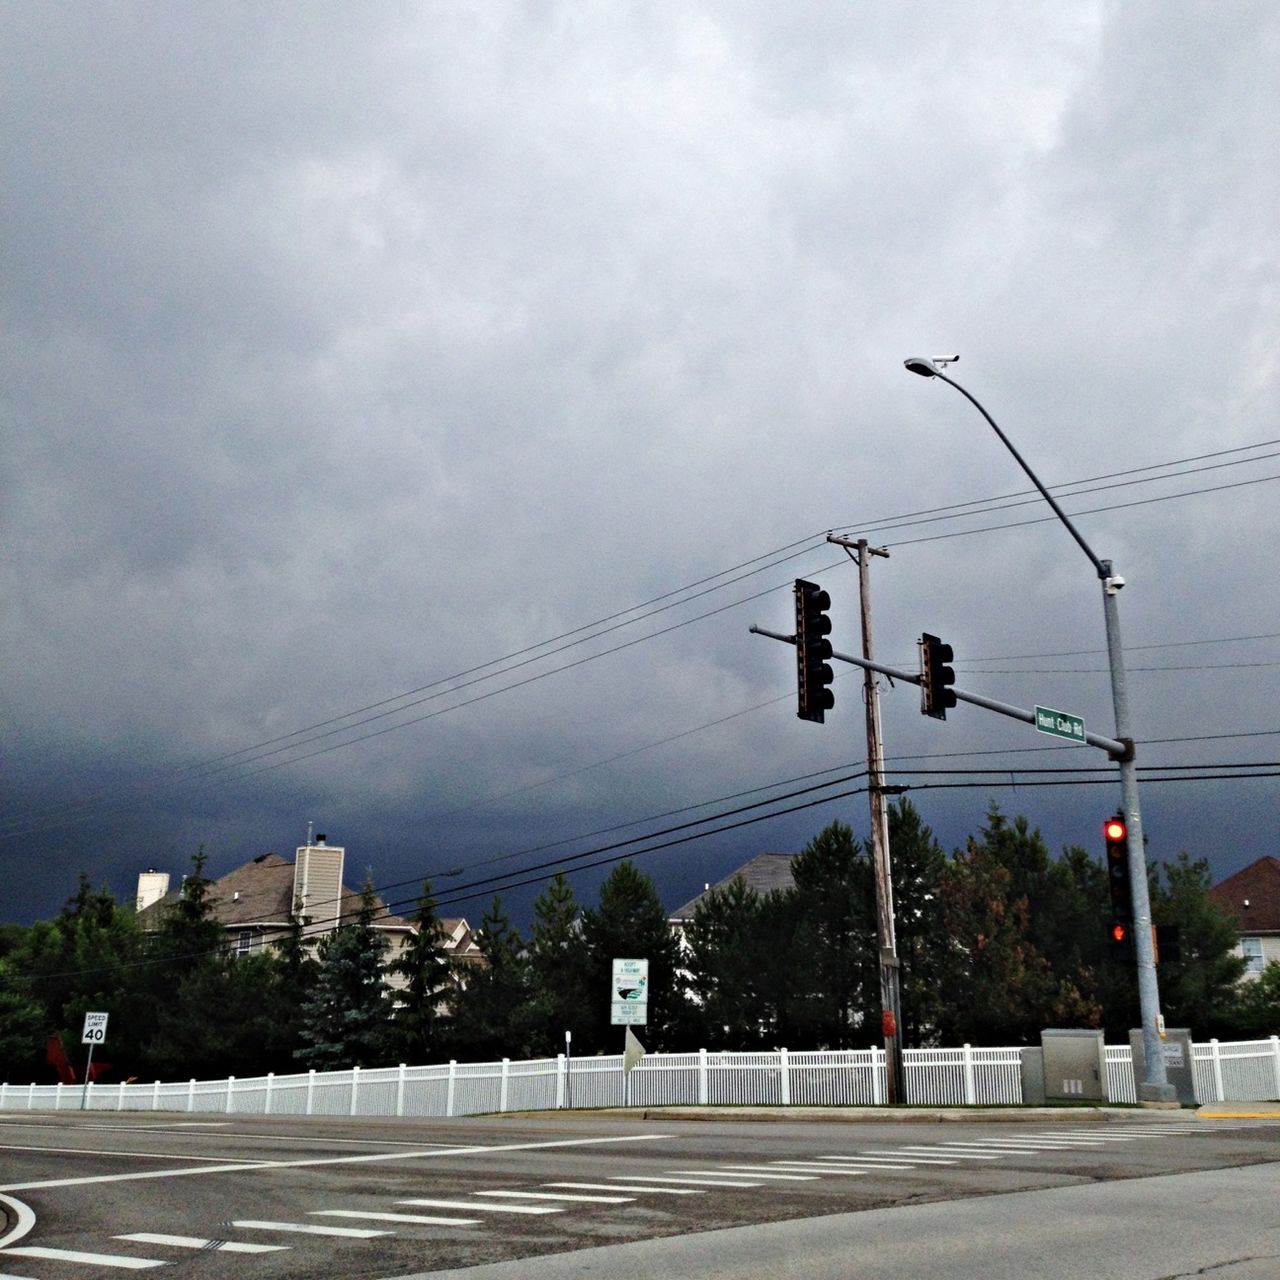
column 259, row 903
column 1252, row 898
column 765, row 873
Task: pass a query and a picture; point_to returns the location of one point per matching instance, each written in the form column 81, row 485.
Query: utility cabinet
column 1075, row 1067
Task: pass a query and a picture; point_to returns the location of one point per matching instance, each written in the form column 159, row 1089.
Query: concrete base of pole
column 1158, row 1095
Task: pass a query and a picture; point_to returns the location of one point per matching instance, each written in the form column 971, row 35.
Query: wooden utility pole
column 890, row 999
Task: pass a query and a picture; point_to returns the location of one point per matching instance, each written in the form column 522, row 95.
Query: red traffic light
column 1114, row 829
column 1119, row 932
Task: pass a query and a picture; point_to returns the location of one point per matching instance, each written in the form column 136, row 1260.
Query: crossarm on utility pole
column 1116, row 749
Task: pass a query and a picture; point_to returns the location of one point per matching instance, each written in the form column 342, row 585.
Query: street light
column 1156, row 1087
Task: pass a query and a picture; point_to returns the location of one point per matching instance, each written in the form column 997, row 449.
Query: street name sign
column 1060, row 724
column 629, row 994
column 95, row 1028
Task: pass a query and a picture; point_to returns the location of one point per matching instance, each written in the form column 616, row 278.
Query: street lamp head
column 929, row 368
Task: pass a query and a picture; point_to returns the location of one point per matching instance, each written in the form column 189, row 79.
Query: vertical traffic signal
column 1116, row 835
column 936, row 677
column 813, row 649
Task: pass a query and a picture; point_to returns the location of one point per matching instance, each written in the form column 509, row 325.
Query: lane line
column 483, row 1208
column 375, row 1158
column 425, row 1219
column 609, row 1186
column 198, row 1242
column 124, row 1155
column 117, row 1260
column 308, row 1229
column 554, row 1195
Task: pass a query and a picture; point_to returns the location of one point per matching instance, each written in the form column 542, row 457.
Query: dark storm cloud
column 347, row 348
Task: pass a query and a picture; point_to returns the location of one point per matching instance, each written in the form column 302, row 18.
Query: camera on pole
column 936, row 677
column 813, row 649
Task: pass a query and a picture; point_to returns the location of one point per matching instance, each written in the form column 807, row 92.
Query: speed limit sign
column 95, row 1028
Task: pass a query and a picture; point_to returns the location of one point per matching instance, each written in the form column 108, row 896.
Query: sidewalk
column 933, row 1115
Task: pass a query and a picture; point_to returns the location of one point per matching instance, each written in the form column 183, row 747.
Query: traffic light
column 813, row 649
column 1168, row 943
column 936, row 677
column 1116, row 835
column 1120, row 940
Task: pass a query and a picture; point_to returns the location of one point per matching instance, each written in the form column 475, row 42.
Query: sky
column 408, row 409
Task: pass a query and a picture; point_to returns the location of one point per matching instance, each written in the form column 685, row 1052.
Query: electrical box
column 1031, row 1062
column 1178, row 1063
column 1075, row 1068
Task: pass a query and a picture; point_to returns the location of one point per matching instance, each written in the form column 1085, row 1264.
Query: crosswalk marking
column 198, row 1242
column 116, row 1260
column 553, row 1195
column 421, row 1219
column 609, row 1186
column 834, row 1170
column 309, row 1229
column 891, row 1162
column 967, row 1148
column 471, row 1207
column 699, row 1182
column 767, row 1172
column 933, row 1151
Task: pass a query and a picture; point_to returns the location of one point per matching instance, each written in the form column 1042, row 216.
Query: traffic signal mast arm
column 1115, row 749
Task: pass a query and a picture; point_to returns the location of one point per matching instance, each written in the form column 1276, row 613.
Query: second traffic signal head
column 813, row 649
column 936, row 677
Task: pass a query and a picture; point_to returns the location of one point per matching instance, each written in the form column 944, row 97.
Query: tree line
column 997, row 941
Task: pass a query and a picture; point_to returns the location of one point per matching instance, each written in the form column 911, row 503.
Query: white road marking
column 486, row 1208
column 932, row 1151
column 697, row 1182
column 1080, row 1140
column 11, row 1275
column 553, row 1195
column 374, row 1158
column 116, row 1260
column 424, row 1219
column 766, row 1171
column 890, row 1161
column 308, row 1229
column 834, row 1170
column 198, row 1242
column 964, row 1148
column 609, row 1186
column 126, row 1155
column 24, row 1220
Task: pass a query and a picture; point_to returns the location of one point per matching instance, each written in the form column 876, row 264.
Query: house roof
column 1252, row 896
column 765, row 873
column 260, row 892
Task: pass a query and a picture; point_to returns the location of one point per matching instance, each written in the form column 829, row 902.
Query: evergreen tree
column 834, row 899
column 729, row 955
column 490, row 1010
column 629, row 924
column 424, row 964
column 1198, row 990
column 557, row 969
column 919, row 866
column 345, row 1015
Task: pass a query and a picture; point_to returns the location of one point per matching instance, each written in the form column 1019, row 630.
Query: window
column 244, row 942
column 1251, row 949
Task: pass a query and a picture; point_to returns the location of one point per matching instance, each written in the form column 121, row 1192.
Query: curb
column 892, row 1115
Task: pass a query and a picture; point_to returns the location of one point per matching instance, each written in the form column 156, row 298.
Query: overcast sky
column 349, row 348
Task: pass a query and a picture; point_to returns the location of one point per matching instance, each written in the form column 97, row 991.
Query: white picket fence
column 1235, row 1071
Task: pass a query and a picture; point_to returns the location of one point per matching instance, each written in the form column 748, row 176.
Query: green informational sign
column 1060, row 724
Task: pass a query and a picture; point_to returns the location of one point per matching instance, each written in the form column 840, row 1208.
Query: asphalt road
column 98, row 1194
